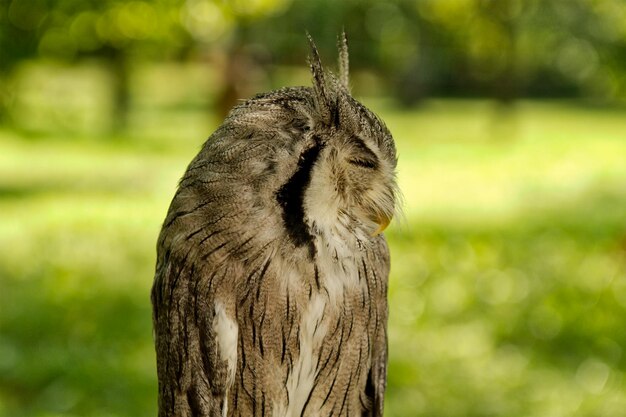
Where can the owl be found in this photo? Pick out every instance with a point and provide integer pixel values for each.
(269, 296)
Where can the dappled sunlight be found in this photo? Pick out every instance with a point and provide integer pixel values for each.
(531, 306)
(507, 290)
(465, 177)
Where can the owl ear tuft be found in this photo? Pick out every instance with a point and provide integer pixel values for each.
(344, 62)
(322, 92)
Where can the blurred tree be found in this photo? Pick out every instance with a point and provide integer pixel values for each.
(122, 32)
(222, 31)
(112, 30)
(502, 49)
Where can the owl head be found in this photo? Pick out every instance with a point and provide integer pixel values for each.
(353, 178)
(306, 161)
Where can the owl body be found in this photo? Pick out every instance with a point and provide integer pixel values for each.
(270, 288)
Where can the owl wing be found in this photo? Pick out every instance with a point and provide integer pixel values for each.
(203, 260)
(193, 375)
(377, 378)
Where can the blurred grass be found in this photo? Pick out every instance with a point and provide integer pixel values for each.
(508, 286)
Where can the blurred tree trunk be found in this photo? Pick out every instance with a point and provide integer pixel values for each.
(233, 69)
(243, 73)
(504, 13)
(118, 64)
(505, 86)
(4, 99)
(122, 93)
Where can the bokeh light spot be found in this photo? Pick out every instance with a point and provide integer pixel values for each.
(593, 375)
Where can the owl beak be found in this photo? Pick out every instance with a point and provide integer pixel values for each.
(382, 220)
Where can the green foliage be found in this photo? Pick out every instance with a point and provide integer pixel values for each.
(496, 48)
(508, 284)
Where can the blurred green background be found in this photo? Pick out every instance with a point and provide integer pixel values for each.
(508, 284)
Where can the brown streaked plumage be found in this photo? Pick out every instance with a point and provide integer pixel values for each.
(269, 297)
